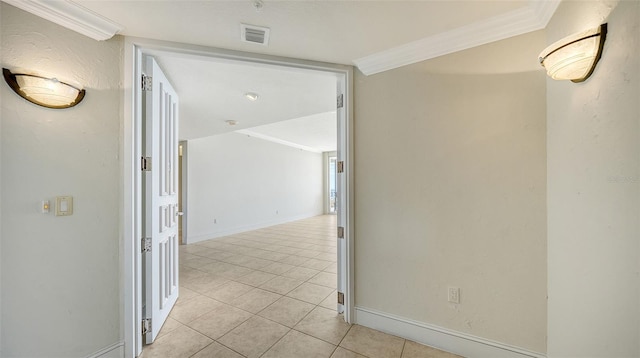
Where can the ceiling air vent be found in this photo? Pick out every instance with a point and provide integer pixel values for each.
(254, 34)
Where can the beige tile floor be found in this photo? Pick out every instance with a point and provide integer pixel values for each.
(269, 293)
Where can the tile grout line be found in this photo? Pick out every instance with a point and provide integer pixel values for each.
(231, 349)
(203, 348)
(318, 306)
(404, 344)
(259, 269)
(342, 340)
(276, 342)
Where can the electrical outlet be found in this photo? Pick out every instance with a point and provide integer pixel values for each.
(454, 294)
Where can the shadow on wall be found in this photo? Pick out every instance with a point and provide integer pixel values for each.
(491, 58)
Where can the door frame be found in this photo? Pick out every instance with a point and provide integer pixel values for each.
(184, 180)
(131, 229)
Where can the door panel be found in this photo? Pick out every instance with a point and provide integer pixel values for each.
(161, 199)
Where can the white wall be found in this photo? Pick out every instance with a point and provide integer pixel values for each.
(450, 190)
(594, 190)
(60, 275)
(245, 183)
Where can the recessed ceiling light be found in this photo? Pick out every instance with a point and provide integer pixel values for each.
(251, 96)
(231, 122)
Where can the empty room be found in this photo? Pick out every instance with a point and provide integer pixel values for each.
(165, 190)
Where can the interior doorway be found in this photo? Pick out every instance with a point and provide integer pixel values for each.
(135, 49)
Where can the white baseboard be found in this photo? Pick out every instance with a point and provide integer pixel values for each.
(115, 350)
(191, 239)
(445, 339)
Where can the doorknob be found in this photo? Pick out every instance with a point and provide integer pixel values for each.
(179, 213)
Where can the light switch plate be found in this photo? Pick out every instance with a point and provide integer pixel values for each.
(454, 295)
(64, 205)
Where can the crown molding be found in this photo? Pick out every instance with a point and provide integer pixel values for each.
(534, 16)
(544, 10)
(70, 15)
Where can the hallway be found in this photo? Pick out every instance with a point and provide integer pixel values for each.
(269, 293)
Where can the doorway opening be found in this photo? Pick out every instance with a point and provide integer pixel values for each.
(135, 49)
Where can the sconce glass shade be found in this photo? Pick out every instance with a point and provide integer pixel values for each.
(45, 92)
(251, 96)
(574, 58)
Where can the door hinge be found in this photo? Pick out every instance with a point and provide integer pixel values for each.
(146, 244)
(340, 232)
(340, 101)
(147, 83)
(146, 325)
(341, 298)
(145, 164)
(341, 167)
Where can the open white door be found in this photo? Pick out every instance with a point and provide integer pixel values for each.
(160, 208)
(341, 200)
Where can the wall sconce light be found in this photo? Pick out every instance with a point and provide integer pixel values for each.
(45, 92)
(574, 57)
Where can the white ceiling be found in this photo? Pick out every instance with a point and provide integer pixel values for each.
(373, 35)
(316, 133)
(212, 92)
(330, 31)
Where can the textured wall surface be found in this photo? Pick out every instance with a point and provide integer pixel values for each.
(451, 191)
(60, 275)
(594, 190)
